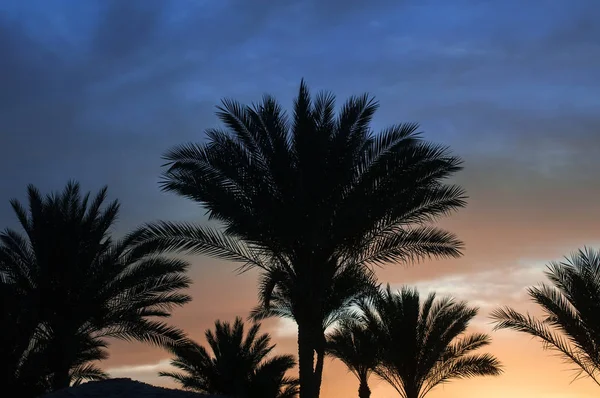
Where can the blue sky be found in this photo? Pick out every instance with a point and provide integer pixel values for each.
(98, 90)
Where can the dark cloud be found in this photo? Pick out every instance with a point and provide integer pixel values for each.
(127, 28)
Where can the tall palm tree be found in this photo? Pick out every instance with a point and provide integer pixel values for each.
(72, 286)
(301, 197)
(356, 346)
(239, 366)
(423, 345)
(571, 306)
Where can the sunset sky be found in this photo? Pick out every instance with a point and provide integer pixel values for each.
(97, 90)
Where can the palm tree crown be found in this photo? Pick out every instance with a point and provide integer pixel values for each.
(424, 344)
(303, 196)
(356, 346)
(571, 305)
(239, 366)
(73, 287)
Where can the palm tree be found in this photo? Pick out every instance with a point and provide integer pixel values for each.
(72, 286)
(356, 346)
(571, 305)
(239, 366)
(423, 345)
(302, 197)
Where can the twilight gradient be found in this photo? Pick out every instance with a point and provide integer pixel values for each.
(98, 90)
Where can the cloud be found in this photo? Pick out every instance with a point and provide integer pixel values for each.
(127, 28)
(148, 372)
(140, 370)
(285, 328)
(486, 289)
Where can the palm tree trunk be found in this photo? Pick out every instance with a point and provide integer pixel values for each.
(306, 361)
(60, 362)
(363, 389)
(318, 375)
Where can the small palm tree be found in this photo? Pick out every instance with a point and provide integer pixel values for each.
(72, 287)
(308, 194)
(239, 366)
(571, 305)
(423, 345)
(356, 346)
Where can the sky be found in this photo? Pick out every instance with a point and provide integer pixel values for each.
(98, 90)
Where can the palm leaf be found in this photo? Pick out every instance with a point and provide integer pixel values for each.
(570, 326)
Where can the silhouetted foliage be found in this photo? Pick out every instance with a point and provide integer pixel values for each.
(571, 305)
(239, 366)
(21, 366)
(67, 286)
(349, 286)
(357, 347)
(423, 345)
(302, 197)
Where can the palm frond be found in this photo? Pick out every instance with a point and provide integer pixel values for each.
(410, 245)
(87, 372)
(570, 324)
(461, 368)
(183, 237)
(507, 318)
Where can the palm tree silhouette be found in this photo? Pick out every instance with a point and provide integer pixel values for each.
(72, 286)
(356, 346)
(239, 366)
(571, 322)
(423, 345)
(301, 197)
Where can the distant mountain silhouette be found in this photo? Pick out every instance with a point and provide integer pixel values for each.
(122, 388)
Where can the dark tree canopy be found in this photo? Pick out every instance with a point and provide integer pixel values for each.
(357, 347)
(67, 286)
(239, 366)
(424, 343)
